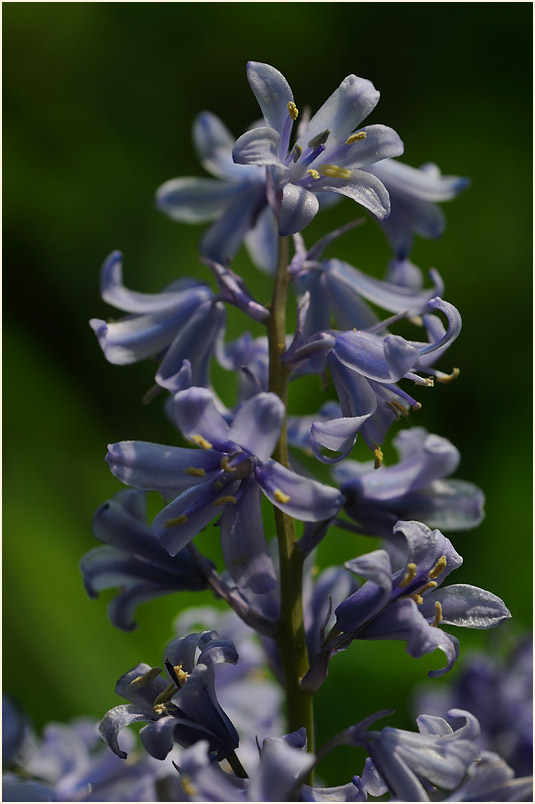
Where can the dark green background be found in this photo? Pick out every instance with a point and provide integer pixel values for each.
(99, 100)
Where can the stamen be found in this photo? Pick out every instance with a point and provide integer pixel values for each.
(429, 381)
(378, 452)
(314, 174)
(223, 500)
(397, 408)
(438, 614)
(178, 520)
(297, 151)
(429, 585)
(359, 135)
(410, 575)
(439, 567)
(202, 442)
(143, 680)
(218, 485)
(159, 709)
(165, 695)
(445, 378)
(194, 471)
(319, 139)
(180, 674)
(418, 599)
(335, 172)
(293, 110)
(225, 465)
(280, 496)
(188, 785)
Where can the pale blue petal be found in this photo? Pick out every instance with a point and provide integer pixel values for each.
(377, 358)
(196, 343)
(116, 719)
(223, 239)
(467, 606)
(213, 143)
(195, 413)
(364, 188)
(155, 467)
(389, 296)
(299, 206)
(308, 500)
(262, 241)
(194, 200)
(198, 506)
(259, 146)
(244, 544)
(380, 143)
(281, 768)
(425, 183)
(175, 298)
(343, 111)
(272, 91)
(257, 425)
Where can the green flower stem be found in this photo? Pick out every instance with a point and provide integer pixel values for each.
(291, 639)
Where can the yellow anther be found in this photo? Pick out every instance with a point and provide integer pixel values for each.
(335, 172)
(359, 135)
(417, 320)
(188, 785)
(218, 485)
(439, 567)
(293, 110)
(142, 681)
(409, 576)
(165, 695)
(438, 614)
(159, 708)
(378, 452)
(429, 585)
(417, 598)
(429, 381)
(223, 500)
(194, 471)
(225, 465)
(313, 173)
(397, 408)
(202, 442)
(280, 496)
(417, 406)
(445, 378)
(297, 151)
(178, 520)
(181, 675)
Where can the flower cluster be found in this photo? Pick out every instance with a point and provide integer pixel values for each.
(212, 713)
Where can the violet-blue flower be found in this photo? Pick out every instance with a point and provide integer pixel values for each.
(183, 711)
(414, 193)
(407, 604)
(338, 289)
(499, 690)
(407, 762)
(328, 155)
(133, 560)
(236, 199)
(414, 488)
(165, 325)
(71, 763)
(365, 367)
(224, 477)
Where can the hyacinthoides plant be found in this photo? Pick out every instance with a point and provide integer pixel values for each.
(212, 731)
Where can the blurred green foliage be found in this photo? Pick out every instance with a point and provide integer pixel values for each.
(99, 99)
